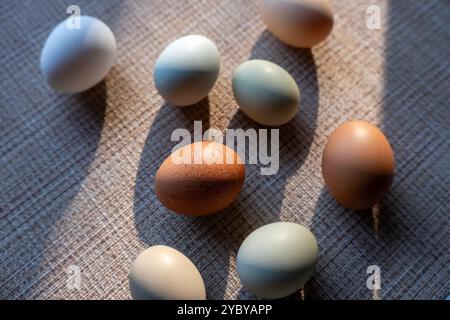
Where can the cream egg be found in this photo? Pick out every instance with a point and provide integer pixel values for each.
(163, 273)
(76, 59)
(299, 23)
(187, 70)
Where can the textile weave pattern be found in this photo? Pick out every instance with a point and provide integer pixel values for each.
(76, 171)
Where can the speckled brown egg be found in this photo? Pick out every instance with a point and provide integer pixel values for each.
(299, 23)
(200, 179)
(358, 165)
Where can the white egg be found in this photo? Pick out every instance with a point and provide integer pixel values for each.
(187, 70)
(76, 59)
(163, 273)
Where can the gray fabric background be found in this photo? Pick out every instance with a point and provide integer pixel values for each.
(76, 172)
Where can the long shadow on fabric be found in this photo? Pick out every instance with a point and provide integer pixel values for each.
(63, 161)
(265, 194)
(51, 142)
(412, 220)
(207, 241)
(59, 140)
(416, 118)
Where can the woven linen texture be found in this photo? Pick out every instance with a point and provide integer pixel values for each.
(76, 172)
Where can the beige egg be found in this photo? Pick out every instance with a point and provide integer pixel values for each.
(200, 179)
(163, 273)
(299, 23)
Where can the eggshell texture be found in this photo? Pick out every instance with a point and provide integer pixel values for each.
(74, 60)
(163, 273)
(299, 23)
(187, 69)
(265, 92)
(277, 259)
(358, 165)
(198, 189)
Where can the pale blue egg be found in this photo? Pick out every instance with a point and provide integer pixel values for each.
(277, 259)
(75, 59)
(187, 70)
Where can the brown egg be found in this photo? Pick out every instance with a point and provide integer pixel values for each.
(299, 23)
(358, 165)
(200, 179)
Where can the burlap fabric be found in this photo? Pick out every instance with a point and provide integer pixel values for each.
(76, 174)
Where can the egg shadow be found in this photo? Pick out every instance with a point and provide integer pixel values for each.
(350, 241)
(207, 241)
(412, 220)
(266, 193)
(61, 153)
(415, 118)
(58, 137)
(417, 126)
(347, 244)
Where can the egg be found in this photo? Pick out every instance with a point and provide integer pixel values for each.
(358, 165)
(187, 70)
(163, 273)
(299, 23)
(277, 259)
(200, 179)
(75, 60)
(266, 92)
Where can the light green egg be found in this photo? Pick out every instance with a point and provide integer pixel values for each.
(277, 259)
(266, 92)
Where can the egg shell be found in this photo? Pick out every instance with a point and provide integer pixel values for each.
(198, 189)
(75, 60)
(187, 69)
(299, 23)
(277, 259)
(266, 92)
(358, 165)
(163, 273)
